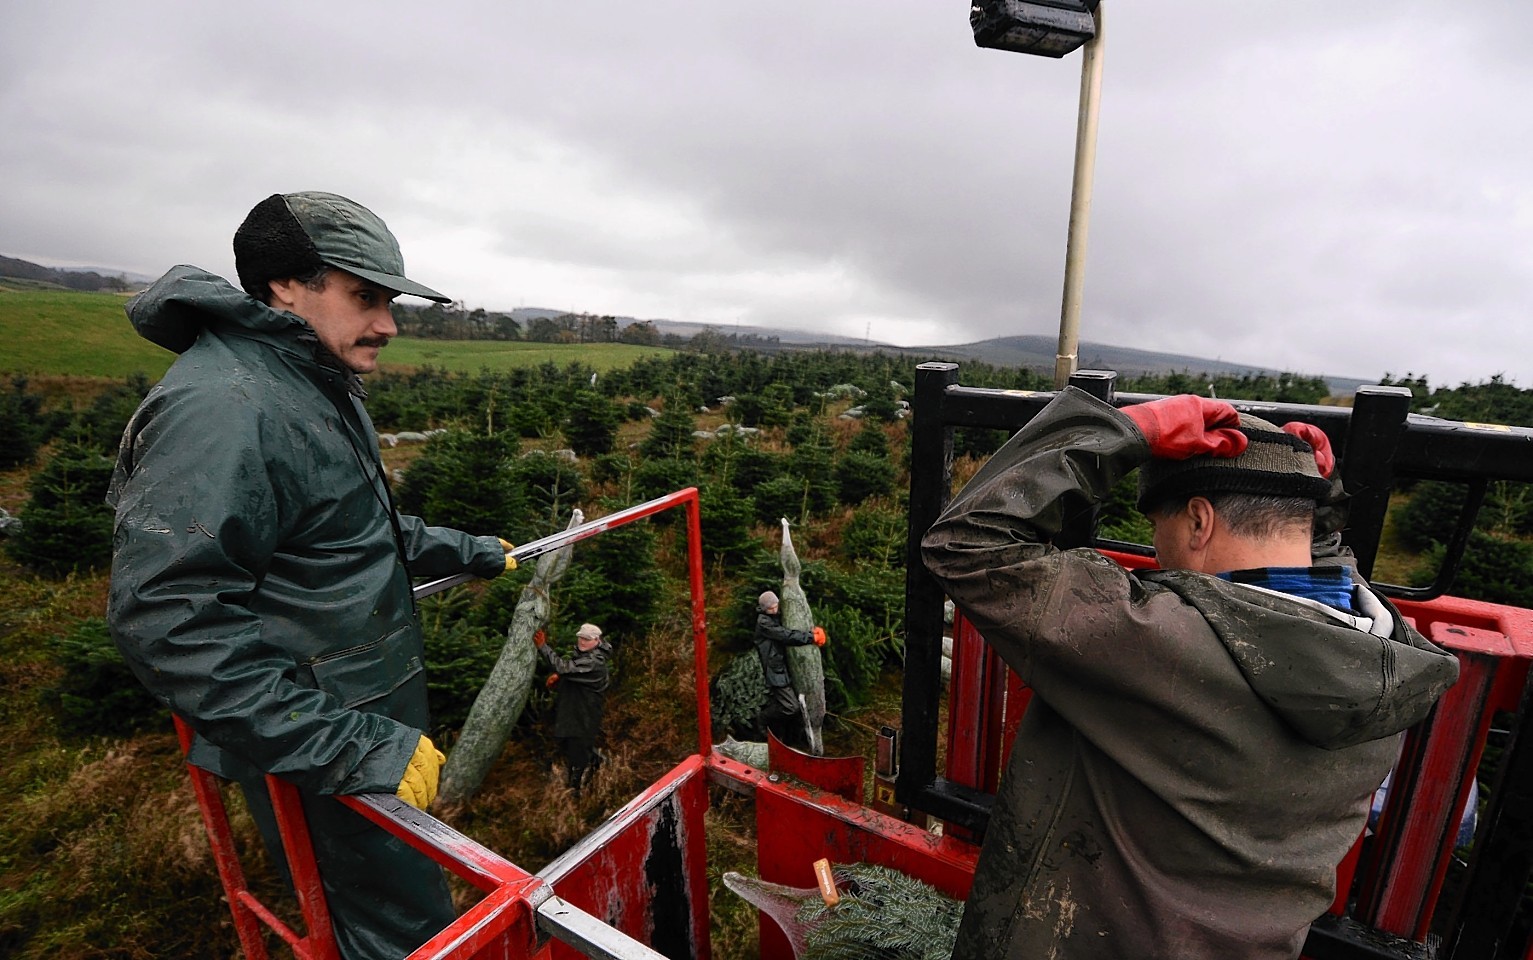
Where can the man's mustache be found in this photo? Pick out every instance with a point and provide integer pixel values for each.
(379, 342)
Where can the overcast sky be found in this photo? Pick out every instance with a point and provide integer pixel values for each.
(1326, 188)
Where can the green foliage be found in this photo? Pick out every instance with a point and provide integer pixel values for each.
(721, 456)
(613, 581)
(459, 658)
(977, 442)
(880, 405)
(863, 475)
(876, 534)
(97, 695)
(670, 434)
(726, 520)
(22, 426)
(754, 467)
(777, 404)
(550, 487)
(1120, 518)
(882, 913)
(811, 464)
(591, 424)
(1430, 515)
(1496, 569)
(871, 439)
(739, 693)
(462, 480)
(66, 525)
(1282, 387)
(1492, 401)
(612, 467)
(656, 478)
(877, 593)
(494, 605)
(853, 655)
(781, 496)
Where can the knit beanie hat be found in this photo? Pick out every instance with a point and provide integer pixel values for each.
(767, 600)
(1274, 464)
(294, 234)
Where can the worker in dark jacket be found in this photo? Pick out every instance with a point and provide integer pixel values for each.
(581, 682)
(782, 714)
(261, 577)
(1204, 739)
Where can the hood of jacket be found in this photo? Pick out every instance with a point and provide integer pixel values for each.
(1337, 679)
(176, 308)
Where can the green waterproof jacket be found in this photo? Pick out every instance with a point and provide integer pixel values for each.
(582, 692)
(261, 580)
(1198, 755)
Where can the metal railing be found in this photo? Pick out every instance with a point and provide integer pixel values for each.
(520, 910)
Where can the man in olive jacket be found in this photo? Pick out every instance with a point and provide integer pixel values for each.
(261, 577)
(581, 682)
(1204, 739)
(782, 713)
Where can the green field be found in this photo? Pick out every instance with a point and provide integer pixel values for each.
(63, 333)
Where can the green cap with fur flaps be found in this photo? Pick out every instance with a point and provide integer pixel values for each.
(294, 234)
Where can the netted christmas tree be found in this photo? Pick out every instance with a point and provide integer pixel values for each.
(878, 913)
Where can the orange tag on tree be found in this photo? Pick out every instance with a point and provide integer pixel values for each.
(828, 891)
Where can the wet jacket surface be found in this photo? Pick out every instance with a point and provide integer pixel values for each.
(581, 691)
(259, 586)
(772, 639)
(1198, 755)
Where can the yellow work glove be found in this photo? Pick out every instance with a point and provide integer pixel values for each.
(508, 546)
(418, 788)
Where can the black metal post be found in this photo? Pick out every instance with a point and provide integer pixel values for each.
(931, 444)
(1367, 472)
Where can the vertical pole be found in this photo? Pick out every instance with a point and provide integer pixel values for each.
(1080, 203)
(1373, 436)
(931, 462)
(699, 620)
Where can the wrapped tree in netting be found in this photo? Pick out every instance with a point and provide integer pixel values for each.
(805, 667)
(877, 914)
(504, 695)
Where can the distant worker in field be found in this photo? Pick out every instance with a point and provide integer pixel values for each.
(1205, 738)
(782, 714)
(261, 574)
(580, 685)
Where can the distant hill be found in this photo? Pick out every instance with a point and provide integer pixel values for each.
(71, 278)
(1034, 352)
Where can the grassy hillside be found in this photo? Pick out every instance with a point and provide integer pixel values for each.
(64, 333)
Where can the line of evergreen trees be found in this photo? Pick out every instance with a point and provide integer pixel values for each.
(521, 449)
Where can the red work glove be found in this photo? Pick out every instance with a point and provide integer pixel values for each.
(1325, 459)
(819, 636)
(553, 678)
(539, 639)
(1188, 426)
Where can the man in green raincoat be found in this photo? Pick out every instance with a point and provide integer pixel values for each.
(581, 682)
(261, 576)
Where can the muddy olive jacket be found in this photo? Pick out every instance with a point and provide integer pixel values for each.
(260, 577)
(582, 690)
(1198, 755)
